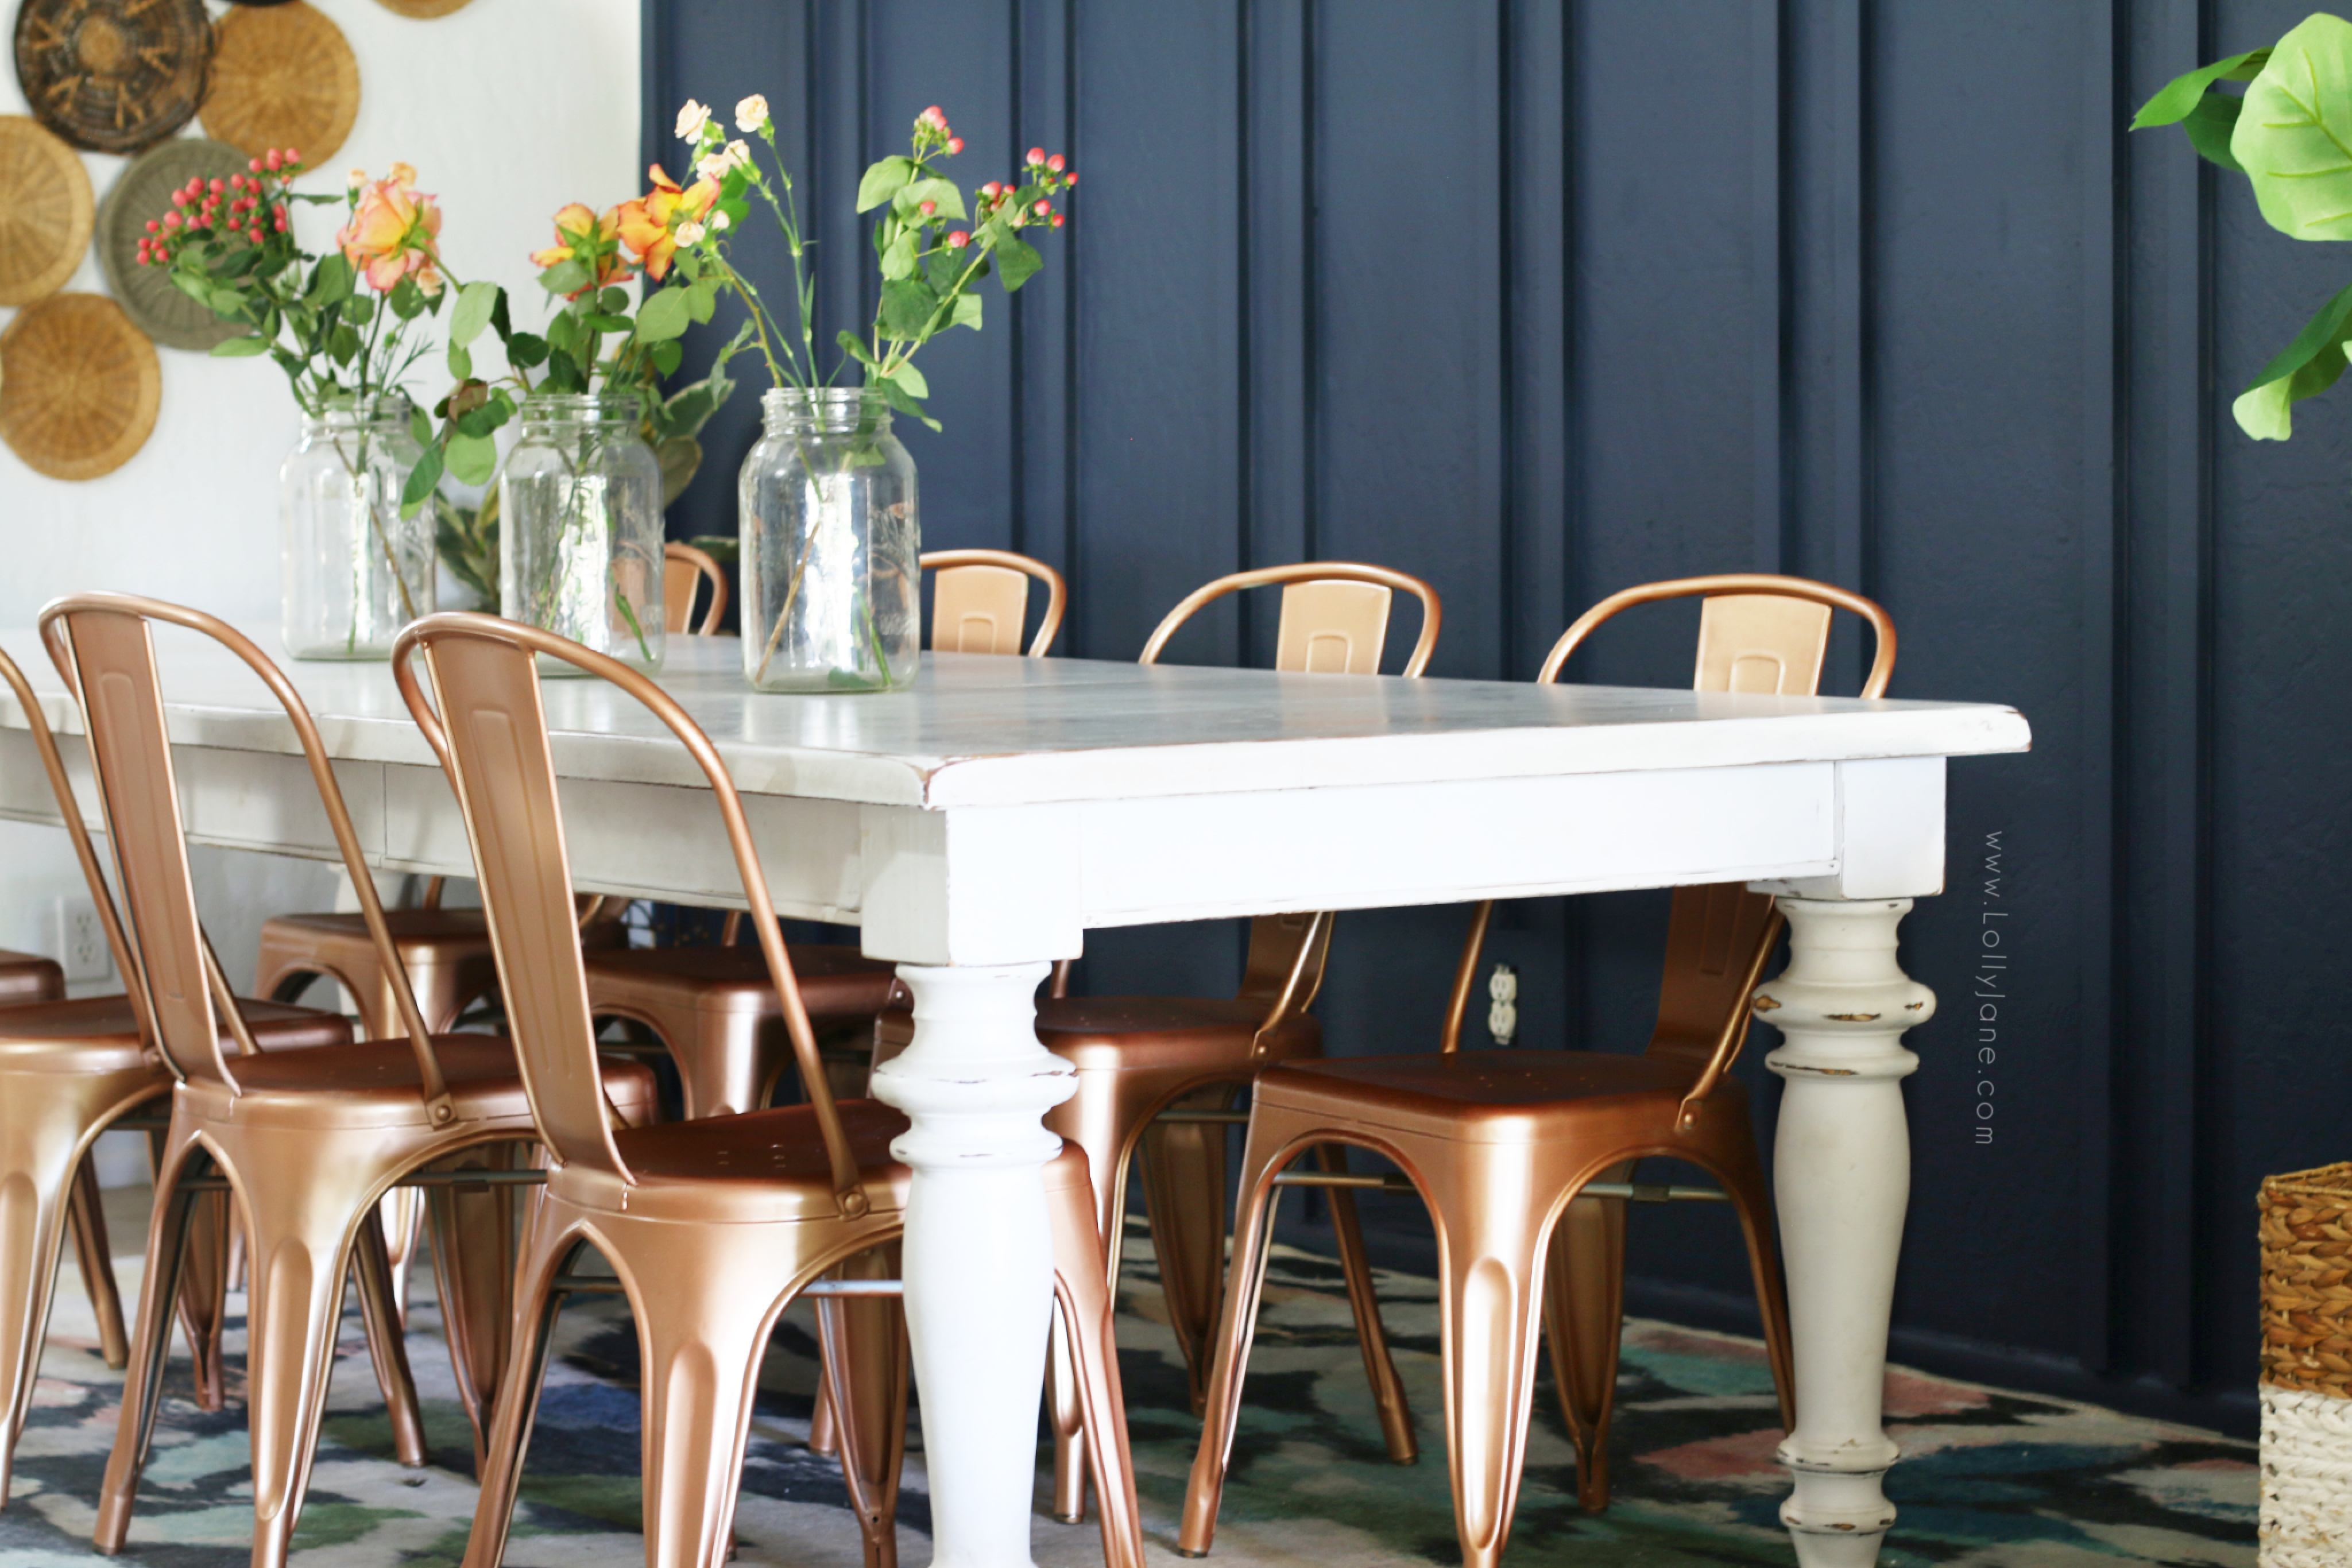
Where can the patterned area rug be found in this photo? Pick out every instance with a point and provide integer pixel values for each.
(1988, 1478)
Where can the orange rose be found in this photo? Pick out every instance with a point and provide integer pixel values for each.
(581, 233)
(391, 234)
(649, 224)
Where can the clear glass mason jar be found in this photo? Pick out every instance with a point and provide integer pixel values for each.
(580, 528)
(355, 572)
(831, 585)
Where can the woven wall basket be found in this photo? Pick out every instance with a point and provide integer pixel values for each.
(113, 76)
(45, 210)
(283, 75)
(143, 192)
(78, 386)
(424, 9)
(2306, 1391)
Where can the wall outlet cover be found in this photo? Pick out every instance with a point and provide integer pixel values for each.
(81, 940)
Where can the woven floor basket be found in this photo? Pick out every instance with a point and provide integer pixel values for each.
(2306, 1392)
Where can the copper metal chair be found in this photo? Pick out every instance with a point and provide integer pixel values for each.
(1150, 1069)
(712, 1227)
(68, 1071)
(713, 1010)
(685, 569)
(307, 1143)
(1520, 1153)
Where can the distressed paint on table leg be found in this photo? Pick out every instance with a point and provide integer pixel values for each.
(979, 1265)
(1842, 1173)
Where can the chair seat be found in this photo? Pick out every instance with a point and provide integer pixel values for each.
(100, 1034)
(29, 977)
(758, 1167)
(1495, 1096)
(375, 1082)
(449, 930)
(836, 982)
(1130, 1033)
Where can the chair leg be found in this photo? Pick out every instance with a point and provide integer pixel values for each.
(474, 1264)
(825, 1430)
(403, 1211)
(204, 1282)
(866, 1357)
(1371, 1337)
(547, 1249)
(86, 1215)
(1244, 1281)
(1489, 1301)
(1090, 1386)
(372, 1271)
(1743, 1177)
(1584, 1317)
(33, 1198)
(1066, 1410)
(1183, 1168)
(168, 1237)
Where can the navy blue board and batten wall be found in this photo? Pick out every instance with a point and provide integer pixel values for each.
(1540, 300)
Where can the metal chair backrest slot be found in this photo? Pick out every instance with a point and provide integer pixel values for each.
(980, 599)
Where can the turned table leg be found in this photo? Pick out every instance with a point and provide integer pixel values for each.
(979, 1265)
(1842, 1174)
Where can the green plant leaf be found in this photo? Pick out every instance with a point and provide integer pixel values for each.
(1017, 262)
(614, 301)
(679, 457)
(2305, 368)
(420, 427)
(899, 398)
(965, 312)
(2209, 126)
(906, 308)
(2294, 136)
(500, 322)
(2180, 97)
(565, 276)
(526, 350)
(422, 479)
(472, 458)
(899, 257)
(668, 357)
(331, 280)
(884, 180)
(942, 194)
(664, 316)
(908, 377)
(475, 302)
(855, 347)
(461, 363)
(702, 299)
(239, 347)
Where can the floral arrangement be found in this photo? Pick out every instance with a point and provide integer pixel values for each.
(2287, 135)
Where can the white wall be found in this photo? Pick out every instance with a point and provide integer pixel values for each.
(509, 109)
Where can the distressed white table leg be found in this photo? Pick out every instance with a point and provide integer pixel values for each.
(1842, 1176)
(978, 1259)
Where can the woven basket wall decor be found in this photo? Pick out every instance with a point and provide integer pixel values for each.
(78, 386)
(113, 76)
(45, 210)
(2306, 1387)
(283, 75)
(143, 192)
(425, 8)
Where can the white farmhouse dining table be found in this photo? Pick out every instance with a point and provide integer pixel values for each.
(976, 826)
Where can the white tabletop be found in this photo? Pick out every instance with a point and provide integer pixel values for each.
(976, 731)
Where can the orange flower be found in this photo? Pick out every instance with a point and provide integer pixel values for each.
(649, 224)
(392, 232)
(581, 233)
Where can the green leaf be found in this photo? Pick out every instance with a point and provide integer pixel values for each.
(599, 321)
(2209, 126)
(420, 427)
(2181, 96)
(500, 322)
(407, 300)
(884, 180)
(568, 277)
(1017, 262)
(906, 308)
(680, 456)
(344, 344)
(908, 377)
(965, 312)
(2305, 368)
(472, 458)
(702, 299)
(899, 257)
(461, 363)
(422, 480)
(331, 280)
(475, 302)
(526, 350)
(614, 301)
(2293, 136)
(239, 347)
(663, 317)
(899, 398)
(948, 200)
(668, 357)
(855, 347)
(359, 311)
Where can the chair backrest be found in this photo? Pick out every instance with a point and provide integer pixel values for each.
(980, 599)
(1757, 634)
(69, 807)
(1335, 616)
(684, 572)
(103, 645)
(485, 721)
(1335, 621)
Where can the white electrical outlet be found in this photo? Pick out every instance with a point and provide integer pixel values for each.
(1503, 996)
(81, 940)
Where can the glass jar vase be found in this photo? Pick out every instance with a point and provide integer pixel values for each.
(353, 570)
(831, 584)
(580, 528)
